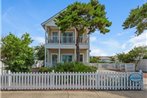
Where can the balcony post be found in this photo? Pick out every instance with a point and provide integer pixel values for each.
(59, 36)
(46, 35)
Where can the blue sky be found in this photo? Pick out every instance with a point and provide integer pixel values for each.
(20, 16)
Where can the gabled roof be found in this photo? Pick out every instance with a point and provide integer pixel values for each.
(50, 21)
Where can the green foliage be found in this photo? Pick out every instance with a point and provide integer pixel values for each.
(125, 58)
(145, 57)
(16, 52)
(73, 67)
(39, 52)
(133, 56)
(94, 59)
(138, 19)
(112, 59)
(45, 69)
(83, 16)
(69, 67)
(79, 15)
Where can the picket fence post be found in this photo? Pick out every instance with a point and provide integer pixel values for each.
(9, 79)
(96, 81)
(52, 79)
(140, 71)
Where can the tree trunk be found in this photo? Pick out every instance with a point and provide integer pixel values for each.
(137, 62)
(77, 48)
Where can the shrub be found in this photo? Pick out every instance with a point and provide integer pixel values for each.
(73, 67)
(145, 57)
(45, 69)
(94, 59)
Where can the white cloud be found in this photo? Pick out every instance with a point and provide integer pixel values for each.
(139, 40)
(136, 41)
(111, 43)
(112, 46)
(93, 39)
(120, 34)
(39, 39)
(97, 52)
(103, 47)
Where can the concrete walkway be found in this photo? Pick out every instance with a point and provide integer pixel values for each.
(73, 94)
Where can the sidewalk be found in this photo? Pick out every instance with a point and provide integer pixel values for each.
(74, 94)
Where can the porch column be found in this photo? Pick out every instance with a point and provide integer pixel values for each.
(45, 56)
(48, 58)
(59, 55)
(87, 56)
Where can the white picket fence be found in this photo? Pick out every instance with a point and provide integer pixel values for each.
(70, 80)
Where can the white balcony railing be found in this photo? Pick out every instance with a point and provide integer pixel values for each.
(67, 39)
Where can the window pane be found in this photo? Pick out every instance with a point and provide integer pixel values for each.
(67, 58)
(55, 37)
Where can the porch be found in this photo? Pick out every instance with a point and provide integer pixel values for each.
(54, 56)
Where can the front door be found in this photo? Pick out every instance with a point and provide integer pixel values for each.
(54, 59)
(81, 58)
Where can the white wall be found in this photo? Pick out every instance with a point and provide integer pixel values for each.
(1, 67)
(142, 65)
(128, 67)
(38, 63)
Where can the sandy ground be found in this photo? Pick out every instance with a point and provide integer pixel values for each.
(74, 94)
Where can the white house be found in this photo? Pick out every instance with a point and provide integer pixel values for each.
(60, 46)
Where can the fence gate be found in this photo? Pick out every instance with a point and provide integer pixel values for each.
(73, 80)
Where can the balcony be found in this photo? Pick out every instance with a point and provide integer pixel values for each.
(66, 40)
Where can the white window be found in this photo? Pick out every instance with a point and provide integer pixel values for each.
(67, 37)
(67, 58)
(55, 37)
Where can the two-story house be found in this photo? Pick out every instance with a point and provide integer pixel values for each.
(60, 46)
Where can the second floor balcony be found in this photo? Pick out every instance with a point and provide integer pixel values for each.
(67, 40)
